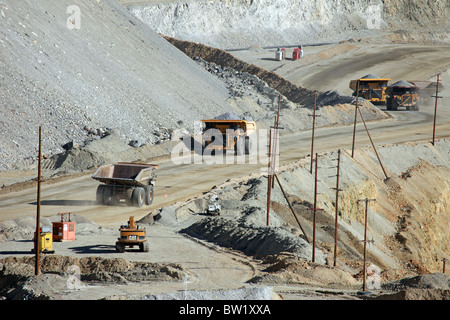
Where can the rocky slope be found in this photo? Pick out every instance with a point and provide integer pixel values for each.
(245, 23)
(408, 222)
(113, 72)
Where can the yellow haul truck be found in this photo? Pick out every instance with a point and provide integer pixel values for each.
(228, 135)
(402, 94)
(371, 87)
(131, 182)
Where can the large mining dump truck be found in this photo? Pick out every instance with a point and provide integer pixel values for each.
(227, 134)
(371, 87)
(125, 182)
(402, 94)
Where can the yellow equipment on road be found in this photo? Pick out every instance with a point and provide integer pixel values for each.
(371, 87)
(131, 235)
(228, 135)
(46, 240)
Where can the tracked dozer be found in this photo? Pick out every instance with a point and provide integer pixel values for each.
(371, 87)
(402, 94)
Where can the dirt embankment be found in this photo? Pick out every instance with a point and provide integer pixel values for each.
(223, 58)
(59, 274)
(407, 224)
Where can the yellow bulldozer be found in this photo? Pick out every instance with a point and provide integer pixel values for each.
(132, 235)
(371, 87)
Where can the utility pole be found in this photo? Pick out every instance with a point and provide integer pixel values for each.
(272, 157)
(269, 177)
(37, 248)
(435, 107)
(314, 210)
(336, 208)
(356, 115)
(366, 200)
(313, 127)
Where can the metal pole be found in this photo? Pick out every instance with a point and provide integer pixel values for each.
(365, 243)
(337, 209)
(315, 208)
(38, 212)
(435, 107)
(273, 150)
(269, 177)
(356, 115)
(365, 248)
(373, 145)
(313, 127)
(272, 153)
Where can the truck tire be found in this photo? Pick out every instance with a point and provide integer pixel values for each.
(388, 104)
(129, 197)
(144, 247)
(149, 195)
(100, 194)
(394, 105)
(239, 146)
(108, 196)
(247, 145)
(138, 197)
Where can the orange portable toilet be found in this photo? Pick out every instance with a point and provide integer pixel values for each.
(64, 230)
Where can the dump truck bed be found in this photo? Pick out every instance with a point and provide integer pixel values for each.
(132, 174)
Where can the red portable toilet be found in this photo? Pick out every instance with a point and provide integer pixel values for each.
(296, 54)
(64, 230)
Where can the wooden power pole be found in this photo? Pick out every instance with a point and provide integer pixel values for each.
(37, 248)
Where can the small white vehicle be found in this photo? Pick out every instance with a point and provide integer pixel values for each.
(213, 207)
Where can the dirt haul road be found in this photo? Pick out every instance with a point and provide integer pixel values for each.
(180, 182)
(331, 67)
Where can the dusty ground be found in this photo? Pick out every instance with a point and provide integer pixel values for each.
(184, 261)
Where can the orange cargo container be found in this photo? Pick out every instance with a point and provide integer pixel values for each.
(64, 230)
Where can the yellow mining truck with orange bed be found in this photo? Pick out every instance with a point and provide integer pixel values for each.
(371, 87)
(402, 94)
(223, 135)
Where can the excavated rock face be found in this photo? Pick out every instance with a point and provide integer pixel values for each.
(245, 23)
(112, 73)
